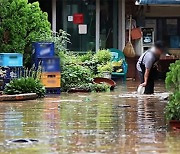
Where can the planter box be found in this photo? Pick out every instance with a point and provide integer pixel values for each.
(18, 97)
(175, 125)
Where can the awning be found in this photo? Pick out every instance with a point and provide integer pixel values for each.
(158, 2)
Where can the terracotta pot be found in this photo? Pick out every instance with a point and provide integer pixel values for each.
(105, 80)
(175, 125)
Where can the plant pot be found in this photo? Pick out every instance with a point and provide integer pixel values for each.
(105, 80)
(107, 75)
(175, 125)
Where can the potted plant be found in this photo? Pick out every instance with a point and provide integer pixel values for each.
(106, 70)
(173, 107)
(173, 111)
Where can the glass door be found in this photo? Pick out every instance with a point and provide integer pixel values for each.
(82, 34)
(108, 23)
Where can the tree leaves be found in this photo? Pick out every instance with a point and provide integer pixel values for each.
(24, 23)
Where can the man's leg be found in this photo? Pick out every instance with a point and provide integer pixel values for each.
(141, 76)
(149, 89)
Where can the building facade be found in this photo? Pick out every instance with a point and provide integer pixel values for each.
(97, 24)
(102, 23)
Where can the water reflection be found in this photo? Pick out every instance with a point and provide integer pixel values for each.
(91, 123)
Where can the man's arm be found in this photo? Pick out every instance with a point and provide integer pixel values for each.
(146, 76)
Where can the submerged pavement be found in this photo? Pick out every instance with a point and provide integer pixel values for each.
(116, 122)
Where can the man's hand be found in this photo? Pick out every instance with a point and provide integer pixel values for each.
(143, 84)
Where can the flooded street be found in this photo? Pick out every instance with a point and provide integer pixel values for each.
(88, 123)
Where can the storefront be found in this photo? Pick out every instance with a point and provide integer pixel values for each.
(95, 24)
(92, 24)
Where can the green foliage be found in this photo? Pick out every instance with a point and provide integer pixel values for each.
(105, 68)
(93, 87)
(103, 56)
(117, 63)
(173, 107)
(117, 66)
(92, 65)
(173, 84)
(21, 23)
(173, 77)
(86, 57)
(60, 39)
(100, 87)
(78, 70)
(25, 85)
(75, 75)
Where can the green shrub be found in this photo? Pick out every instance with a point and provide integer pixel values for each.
(25, 85)
(173, 77)
(21, 23)
(60, 40)
(105, 68)
(92, 65)
(74, 75)
(86, 57)
(100, 87)
(173, 83)
(173, 107)
(103, 56)
(78, 70)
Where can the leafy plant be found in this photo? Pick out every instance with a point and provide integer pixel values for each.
(103, 56)
(25, 85)
(117, 66)
(173, 77)
(73, 75)
(78, 70)
(173, 83)
(117, 63)
(105, 68)
(91, 87)
(100, 87)
(21, 23)
(60, 39)
(173, 107)
(92, 65)
(86, 57)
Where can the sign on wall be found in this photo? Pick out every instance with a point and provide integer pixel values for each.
(82, 29)
(78, 18)
(70, 18)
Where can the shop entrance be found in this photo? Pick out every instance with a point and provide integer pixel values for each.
(108, 24)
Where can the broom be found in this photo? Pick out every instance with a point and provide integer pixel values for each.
(129, 50)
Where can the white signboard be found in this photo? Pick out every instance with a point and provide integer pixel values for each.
(70, 18)
(82, 29)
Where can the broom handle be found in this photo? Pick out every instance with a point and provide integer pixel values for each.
(130, 26)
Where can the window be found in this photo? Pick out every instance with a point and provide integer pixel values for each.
(168, 30)
(80, 39)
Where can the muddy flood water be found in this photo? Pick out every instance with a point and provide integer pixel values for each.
(81, 123)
